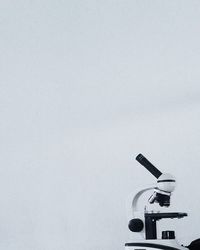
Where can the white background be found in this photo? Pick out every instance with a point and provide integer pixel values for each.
(84, 87)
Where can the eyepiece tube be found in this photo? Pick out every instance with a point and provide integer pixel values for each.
(148, 165)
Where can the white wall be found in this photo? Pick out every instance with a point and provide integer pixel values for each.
(85, 86)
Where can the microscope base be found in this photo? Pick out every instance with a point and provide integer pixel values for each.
(154, 244)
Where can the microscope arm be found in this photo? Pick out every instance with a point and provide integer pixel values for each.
(137, 196)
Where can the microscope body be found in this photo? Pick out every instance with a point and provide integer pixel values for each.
(143, 225)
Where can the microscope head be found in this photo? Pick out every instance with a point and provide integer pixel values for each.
(165, 186)
(165, 183)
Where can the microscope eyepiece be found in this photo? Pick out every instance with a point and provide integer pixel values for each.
(148, 165)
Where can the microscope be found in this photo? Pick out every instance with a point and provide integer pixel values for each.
(144, 224)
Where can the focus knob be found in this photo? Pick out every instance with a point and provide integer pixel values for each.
(168, 235)
(136, 225)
